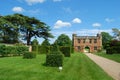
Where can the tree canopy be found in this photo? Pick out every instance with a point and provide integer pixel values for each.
(116, 33)
(63, 40)
(18, 26)
(106, 37)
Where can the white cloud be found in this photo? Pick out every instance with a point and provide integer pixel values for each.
(18, 9)
(82, 32)
(60, 24)
(96, 24)
(57, 0)
(109, 20)
(31, 2)
(77, 20)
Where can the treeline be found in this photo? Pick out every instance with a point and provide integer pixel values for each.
(111, 43)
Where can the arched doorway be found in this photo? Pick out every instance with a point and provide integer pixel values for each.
(87, 49)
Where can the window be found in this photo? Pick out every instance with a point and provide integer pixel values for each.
(95, 40)
(90, 41)
(95, 47)
(79, 40)
(83, 40)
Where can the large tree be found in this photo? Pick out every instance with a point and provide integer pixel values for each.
(63, 40)
(116, 33)
(106, 37)
(28, 27)
(8, 32)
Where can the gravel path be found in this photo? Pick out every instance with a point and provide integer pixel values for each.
(110, 67)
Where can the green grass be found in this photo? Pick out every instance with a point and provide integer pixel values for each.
(78, 67)
(115, 57)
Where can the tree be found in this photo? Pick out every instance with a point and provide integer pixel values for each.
(35, 42)
(27, 27)
(45, 46)
(63, 40)
(106, 37)
(116, 33)
(45, 43)
(8, 33)
(34, 28)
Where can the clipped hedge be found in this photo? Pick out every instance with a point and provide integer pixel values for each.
(2, 50)
(54, 60)
(12, 50)
(65, 50)
(29, 55)
(21, 49)
(55, 57)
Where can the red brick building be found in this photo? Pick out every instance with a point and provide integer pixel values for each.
(92, 43)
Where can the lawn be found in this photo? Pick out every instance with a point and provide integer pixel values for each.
(78, 67)
(115, 57)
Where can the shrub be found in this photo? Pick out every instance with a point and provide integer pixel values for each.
(113, 47)
(2, 50)
(65, 50)
(21, 50)
(11, 50)
(29, 55)
(54, 60)
(55, 57)
(72, 49)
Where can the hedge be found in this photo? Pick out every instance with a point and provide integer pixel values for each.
(29, 55)
(55, 57)
(2, 50)
(65, 50)
(54, 60)
(12, 50)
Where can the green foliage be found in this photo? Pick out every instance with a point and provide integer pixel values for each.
(54, 49)
(12, 50)
(29, 55)
(116, 33)
(8, 31)
(65, 50)
(63, 40)
(106, 37)
(55, 57)
(113, 47)
(54, 60)
(35, 48)
(72, 49)
(2, 50)
(34, 42)
(45, 47)
(21, 49)
(14, 26)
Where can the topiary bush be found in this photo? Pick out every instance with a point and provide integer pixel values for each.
(54, 60)
(55, 57)
(65, 50)
(29, 55)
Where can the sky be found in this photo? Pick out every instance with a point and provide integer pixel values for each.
(82, 17)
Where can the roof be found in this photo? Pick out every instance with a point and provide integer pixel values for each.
(84, 37)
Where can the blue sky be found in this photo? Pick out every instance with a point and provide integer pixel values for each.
(83, 17)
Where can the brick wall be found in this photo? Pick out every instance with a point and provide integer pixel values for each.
(94, 43)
